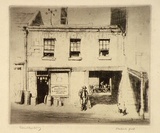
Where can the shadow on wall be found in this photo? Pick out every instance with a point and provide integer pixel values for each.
(135, 84)
(102, 98)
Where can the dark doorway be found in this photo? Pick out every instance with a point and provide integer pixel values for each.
(42, 88)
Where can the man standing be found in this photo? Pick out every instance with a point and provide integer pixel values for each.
(83, 94)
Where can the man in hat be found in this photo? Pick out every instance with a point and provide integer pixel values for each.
(83, 94)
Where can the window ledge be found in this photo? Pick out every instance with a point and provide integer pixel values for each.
(75, 58)
(104, 58)
(49, 58)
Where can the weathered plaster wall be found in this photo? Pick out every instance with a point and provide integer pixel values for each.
(89, 49)
(32, 84)
(138, 37)
(77, 81)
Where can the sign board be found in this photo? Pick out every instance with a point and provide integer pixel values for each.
(59, 84)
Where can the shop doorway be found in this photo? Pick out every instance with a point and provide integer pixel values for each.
(42, 88)
(104, 86)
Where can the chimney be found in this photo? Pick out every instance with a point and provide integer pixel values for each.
(118, 17)
(64, 19)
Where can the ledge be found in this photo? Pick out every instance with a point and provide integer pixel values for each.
(49, 58)
(75, 58)
(104, 58)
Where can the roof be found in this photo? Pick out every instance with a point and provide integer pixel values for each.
(27, 18)
(40, 21)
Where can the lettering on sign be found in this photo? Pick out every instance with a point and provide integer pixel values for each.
(59, 90)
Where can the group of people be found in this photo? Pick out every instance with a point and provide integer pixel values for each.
(104, 86)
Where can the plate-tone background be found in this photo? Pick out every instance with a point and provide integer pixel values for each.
(154, 127)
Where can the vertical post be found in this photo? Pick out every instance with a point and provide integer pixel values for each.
(49, 84)
(110, 85)
(86, 75)
(24, 77)
(142, 97)
(25, 65)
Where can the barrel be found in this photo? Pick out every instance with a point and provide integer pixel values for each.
(19, 97)
(27, 97)
(49, 100)
(56, 101)
(33, 101)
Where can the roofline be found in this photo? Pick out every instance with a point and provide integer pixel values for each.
(74, 28)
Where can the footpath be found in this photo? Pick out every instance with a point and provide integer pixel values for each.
(97, 111)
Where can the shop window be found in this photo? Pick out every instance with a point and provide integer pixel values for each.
(49, 47)
(75, 48)
(104, 47)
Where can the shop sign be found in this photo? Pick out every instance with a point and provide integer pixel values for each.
(59, 90)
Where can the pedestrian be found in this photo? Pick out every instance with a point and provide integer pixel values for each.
(122, 108)
(83, 94)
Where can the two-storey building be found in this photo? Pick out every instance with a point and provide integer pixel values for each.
(60, 60)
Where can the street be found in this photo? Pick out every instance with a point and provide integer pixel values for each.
(22, 114)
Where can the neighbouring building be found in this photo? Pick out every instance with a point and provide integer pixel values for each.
(60, 57)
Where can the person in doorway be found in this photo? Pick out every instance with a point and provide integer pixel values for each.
(102, 85)
(83, 94)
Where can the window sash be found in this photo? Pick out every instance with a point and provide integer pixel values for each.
(49, 46)
(104, 44)
(104, 47)
(75, 45)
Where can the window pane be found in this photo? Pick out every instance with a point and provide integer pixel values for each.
(100, 46)
(45, 42)
(49, 42)
(52, 42)
(107, 46)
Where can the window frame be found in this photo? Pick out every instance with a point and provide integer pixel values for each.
(104, 49)
(49, 47)
(75, 49)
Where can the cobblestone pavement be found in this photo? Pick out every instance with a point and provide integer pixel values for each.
(98, 114)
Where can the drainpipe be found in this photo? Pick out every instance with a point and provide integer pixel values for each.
(25, 49)
(26, 93)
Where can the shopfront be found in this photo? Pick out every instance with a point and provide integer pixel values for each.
(104, 86)
(54, 83)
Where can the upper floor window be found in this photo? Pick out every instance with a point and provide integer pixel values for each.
(49, 47)
(104, 47)
(75, 47)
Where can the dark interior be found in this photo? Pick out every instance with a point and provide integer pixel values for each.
(42, 88)
(100, 98)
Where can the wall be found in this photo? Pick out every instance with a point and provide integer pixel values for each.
(17, 83)
(76, 83)
(32, 83)
(138, 37)
(89, 49)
